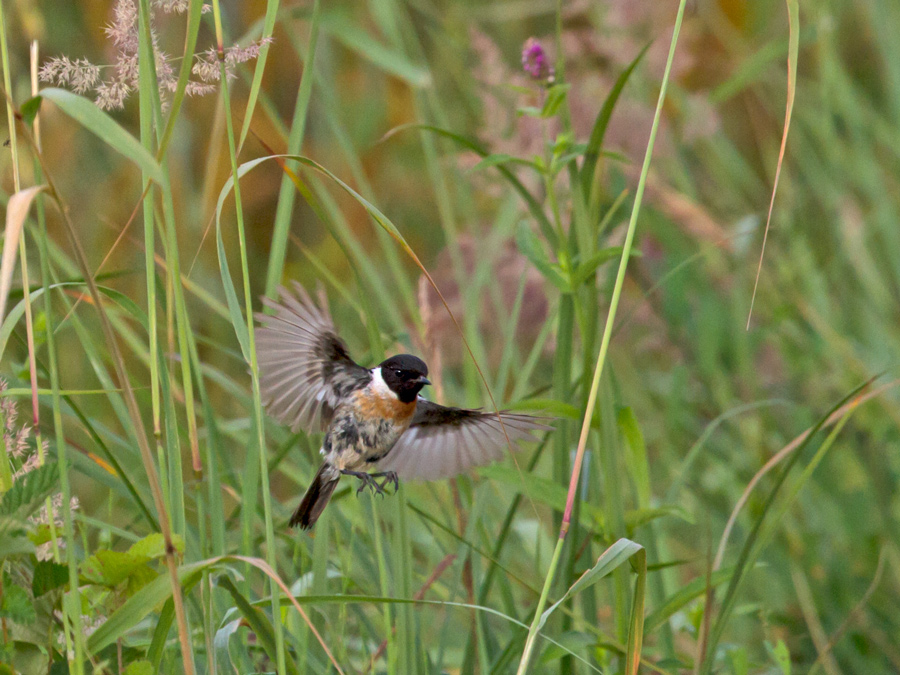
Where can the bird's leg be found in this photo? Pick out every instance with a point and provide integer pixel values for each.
(366, 480)
(389, 477)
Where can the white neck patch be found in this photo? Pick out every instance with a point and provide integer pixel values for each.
(379, 386)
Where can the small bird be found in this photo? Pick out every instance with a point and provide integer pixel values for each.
(374, 419)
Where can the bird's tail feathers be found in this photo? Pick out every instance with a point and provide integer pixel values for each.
(316, 498)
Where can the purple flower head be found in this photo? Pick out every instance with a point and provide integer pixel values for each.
(535, 62)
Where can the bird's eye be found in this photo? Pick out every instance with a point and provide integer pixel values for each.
(398, 373)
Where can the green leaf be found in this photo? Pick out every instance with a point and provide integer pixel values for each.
(110, 568)
(160, 632)
(257, 620)
(589, 266)
(139, 668)
(87, 114)
(556, 96)
(637, 456)
(48, 576)
(17, 605)
(30, 490)
(595, 142)
(780, 655)
(531, 248)
(611, 559)
(221, 642)
(29, 109)
(153, 546)
(13, 541)
(139, 605)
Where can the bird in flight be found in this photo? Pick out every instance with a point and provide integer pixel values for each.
(377, 425)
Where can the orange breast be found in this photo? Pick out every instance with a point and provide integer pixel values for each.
(372, 406)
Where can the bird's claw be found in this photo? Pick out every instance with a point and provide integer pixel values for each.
(367, 480)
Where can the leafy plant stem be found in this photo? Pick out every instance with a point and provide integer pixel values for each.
(601, 358)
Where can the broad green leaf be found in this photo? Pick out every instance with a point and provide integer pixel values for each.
(139, 605)
(153, 546)
(96, 121)
(15, 543)
(30, 490)
(110, 568)
(611, 559)
(139, 668)
(48, 576)
(16, 604)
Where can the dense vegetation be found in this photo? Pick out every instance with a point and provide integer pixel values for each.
(735, 510)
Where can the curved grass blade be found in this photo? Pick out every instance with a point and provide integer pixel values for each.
(257, 621)
(793, 51)
(88, 115)
(750, 550)
(16, 214)
(598, 132)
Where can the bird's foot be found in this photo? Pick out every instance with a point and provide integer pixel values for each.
(390, 477)
(367, 480)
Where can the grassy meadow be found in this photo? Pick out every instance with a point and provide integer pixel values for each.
(585, 187)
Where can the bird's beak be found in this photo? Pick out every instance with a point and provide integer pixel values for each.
(423, 380)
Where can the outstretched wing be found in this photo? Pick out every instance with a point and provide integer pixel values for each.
(305, 369)
(442, 442)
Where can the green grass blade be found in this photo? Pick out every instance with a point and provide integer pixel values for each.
(103, 126)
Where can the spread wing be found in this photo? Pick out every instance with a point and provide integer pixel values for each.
(305, 369)
(442, 442)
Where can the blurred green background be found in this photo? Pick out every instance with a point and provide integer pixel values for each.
(689, 392)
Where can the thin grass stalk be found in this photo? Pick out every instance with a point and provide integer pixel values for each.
(287, 192)
(604, 347)
(254, 366)
(73, 633)
(39, 209)
(146, 119)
